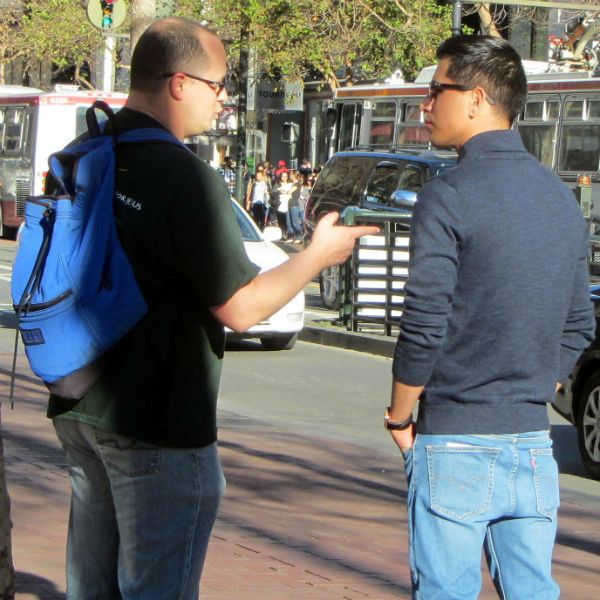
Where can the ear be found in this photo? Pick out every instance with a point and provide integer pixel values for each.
(176, 85)
(477, 101)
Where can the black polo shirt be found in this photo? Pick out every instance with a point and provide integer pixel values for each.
(179, 230)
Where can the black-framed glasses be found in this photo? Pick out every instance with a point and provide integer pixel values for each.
(436, 88)
(216, 86)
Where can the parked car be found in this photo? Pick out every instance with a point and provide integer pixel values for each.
(579, 399)
(371, 179)
(280, 331)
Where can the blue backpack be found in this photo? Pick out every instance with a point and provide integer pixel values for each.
(73, 288)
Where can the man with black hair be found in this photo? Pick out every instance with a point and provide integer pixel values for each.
(141, 444)
(496, 312)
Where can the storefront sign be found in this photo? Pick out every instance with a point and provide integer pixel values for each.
(272, 95)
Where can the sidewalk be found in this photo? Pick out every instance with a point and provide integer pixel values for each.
(303, 517)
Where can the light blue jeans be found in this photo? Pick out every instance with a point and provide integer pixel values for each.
(141, 515)
(468, 492)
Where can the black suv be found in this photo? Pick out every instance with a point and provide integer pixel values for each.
(579, 400)
(371, 179)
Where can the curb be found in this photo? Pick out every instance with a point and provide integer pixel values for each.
(349, 340)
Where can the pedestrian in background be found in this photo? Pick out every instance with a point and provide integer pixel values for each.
(294, 208)
(305, 189)
(496, 312)
(257, 203)
(281, 168)
(227, 172)
(141, 444)
(282, 193)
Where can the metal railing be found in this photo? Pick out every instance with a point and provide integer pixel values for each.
(372, 281)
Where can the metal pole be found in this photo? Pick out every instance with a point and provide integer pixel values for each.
(108, 72)
(240, 158)
(456, 17)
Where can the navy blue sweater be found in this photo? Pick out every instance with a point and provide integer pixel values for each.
(497, 304)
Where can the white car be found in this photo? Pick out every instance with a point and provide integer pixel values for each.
(280, 331)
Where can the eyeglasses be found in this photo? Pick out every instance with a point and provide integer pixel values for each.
(436, 88)
(216, 86)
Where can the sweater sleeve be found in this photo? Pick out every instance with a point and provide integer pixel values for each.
(437, 230)
(580, 325)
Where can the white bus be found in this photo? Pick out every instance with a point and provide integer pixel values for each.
(560, 124)
(33, 124)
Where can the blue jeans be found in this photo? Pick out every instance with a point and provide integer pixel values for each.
(468, 492)
(141, 515)
(295, 222)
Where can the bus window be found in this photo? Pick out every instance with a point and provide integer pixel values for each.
(537, 126)
(534, 110)
(539, 141)
(573, 109)
(381, 130)
(594, 109)
(349, 128)
(552, 110)
(412, 131)
(580, 148)
(14, 120)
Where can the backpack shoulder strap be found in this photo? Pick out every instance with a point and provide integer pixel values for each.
(91, 118)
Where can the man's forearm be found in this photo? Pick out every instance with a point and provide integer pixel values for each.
(404, 398)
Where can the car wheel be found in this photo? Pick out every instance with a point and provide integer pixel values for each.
(588, 425)
(279, 342)
(329, 285)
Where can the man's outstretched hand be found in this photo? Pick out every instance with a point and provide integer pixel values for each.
(335, 242)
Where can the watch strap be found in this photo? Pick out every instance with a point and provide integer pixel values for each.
(396, 425)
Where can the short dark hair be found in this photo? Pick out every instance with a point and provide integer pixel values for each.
(491, 63)
(168, 46)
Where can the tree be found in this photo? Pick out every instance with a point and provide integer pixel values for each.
(9, 47)
(363, 38)
(51, 30)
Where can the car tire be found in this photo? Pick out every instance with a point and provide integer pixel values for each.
(279, 342)
(329, 286)
(588, 425)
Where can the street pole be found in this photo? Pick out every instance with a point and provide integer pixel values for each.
(240, 158)
(108, 71)
(456, 17)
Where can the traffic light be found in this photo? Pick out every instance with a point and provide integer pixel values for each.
(107, 13)
(290, 132)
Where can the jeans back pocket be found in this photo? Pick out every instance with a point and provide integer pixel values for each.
(461, 479)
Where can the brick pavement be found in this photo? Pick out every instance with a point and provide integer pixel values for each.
(303, 517)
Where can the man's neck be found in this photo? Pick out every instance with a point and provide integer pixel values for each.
(153, 109)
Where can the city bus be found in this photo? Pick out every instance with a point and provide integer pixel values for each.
(33, 124)
(560, 124)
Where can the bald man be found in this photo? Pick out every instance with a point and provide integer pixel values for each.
(141, 444)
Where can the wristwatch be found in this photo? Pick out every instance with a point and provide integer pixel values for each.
(396, 425)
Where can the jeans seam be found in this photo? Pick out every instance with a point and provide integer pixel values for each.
(191, 530)
(494, 557)
(511, 480)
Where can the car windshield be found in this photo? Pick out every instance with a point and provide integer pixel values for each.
(249, 233)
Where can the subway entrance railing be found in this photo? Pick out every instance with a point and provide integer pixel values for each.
(372, 281)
